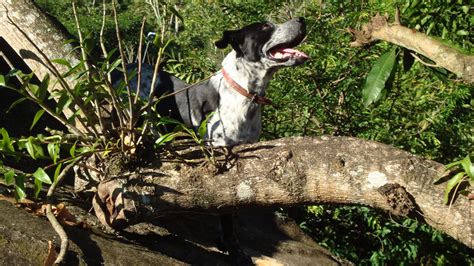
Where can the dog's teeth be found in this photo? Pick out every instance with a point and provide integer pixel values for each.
(287, 53)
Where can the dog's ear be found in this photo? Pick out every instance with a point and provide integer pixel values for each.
(226, 39)
(242, 47)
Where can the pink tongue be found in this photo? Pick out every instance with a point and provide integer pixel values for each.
(287, 52)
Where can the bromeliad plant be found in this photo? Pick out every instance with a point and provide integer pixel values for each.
(100, 118)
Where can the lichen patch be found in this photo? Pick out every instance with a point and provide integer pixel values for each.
(376, 179)
(244, 191)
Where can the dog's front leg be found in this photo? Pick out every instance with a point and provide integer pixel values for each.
(230, 242)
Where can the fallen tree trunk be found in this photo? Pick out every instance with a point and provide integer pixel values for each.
(287, 172)
(443, 55)
(24, 240)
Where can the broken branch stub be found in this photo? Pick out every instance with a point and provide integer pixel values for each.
(443, 55)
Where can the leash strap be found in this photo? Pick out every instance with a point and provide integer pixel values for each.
(252, 96)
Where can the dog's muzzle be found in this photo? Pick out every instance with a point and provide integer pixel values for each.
(287, 36)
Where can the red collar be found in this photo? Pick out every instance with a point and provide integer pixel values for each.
(252, 96)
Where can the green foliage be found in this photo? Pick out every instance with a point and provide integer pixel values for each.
(464, 175)
(378, 239)
(378, 75)
(181, 130)
(417, 108)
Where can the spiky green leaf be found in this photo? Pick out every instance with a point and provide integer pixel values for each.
(468, 167)
(453, 182)
(57, 172)
(62, 61)
(6, 143)
(37, 117)
(64, 101)
(165, 138)
(203, 127)
(15, 103)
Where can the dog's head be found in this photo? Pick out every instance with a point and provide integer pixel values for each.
(265, 41)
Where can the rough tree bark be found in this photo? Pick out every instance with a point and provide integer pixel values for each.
(288, 172)
(443, 55)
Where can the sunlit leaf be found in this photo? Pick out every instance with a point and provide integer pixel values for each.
(377, 77)
(64, 101)
(451, 184)
(6, 144)
(37, 117)
(72, 151)
(166, 138)
(2, 81)
(9, 177)
(57, 172)
(20, 193)
(468, 167)
(42, 175)
(169, 121)
(203, 127)
(14, 72)
(114, 65)
(62, 61)
(34, 149)
(53, 151)
(451, 165)
(38, 185)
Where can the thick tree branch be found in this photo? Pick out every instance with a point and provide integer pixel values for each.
(289, 172)
(443, 55)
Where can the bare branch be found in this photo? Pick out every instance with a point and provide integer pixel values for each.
(445, 56)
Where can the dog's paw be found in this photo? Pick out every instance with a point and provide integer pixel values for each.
(239, 257)
(236, 255)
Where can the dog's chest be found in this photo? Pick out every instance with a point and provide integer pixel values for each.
(237, 119)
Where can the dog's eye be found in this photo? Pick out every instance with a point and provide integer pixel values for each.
(266, 26)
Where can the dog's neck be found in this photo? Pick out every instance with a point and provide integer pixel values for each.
(252, 76)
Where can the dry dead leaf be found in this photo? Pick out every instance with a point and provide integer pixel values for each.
(64, 216)
(49, 261)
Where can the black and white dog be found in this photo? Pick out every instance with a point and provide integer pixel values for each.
(237, 92)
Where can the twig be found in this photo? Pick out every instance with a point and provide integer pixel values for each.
(101, 36)
(52, 219)
(139, 81)
(139, 74)
(423, 62)
(125, 74)
(108, 78)
(88, 69)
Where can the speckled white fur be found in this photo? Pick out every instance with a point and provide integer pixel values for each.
(237, 119)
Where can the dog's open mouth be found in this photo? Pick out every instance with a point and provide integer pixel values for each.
(282, 53)
(286, 53)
